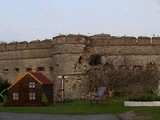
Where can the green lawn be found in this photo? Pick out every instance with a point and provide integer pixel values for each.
(110, 106)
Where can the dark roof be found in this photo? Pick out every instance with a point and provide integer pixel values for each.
(43, 79)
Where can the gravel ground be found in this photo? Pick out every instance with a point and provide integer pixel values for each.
(17, 116)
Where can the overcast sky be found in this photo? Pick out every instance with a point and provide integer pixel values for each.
(40, 19)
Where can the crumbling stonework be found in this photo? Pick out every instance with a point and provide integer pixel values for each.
(71, 56)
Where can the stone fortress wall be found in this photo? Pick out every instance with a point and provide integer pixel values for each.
(18, 58)
(70, 55)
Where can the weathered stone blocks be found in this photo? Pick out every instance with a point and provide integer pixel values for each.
(69, 55)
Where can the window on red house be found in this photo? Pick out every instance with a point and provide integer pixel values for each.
(32, 96)
(15, 96)
(32, 85)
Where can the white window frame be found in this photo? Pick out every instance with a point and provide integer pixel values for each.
(15, 96)
(32, 84)
(32, 96)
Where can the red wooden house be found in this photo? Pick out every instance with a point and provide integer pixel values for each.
(28, 89)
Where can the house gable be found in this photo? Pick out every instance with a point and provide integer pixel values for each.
(26, 94)
(41, 79)
(28, 90)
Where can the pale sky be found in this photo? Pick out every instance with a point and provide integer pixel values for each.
(40, 19)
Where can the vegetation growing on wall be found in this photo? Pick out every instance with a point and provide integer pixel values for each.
(121, 79)
(125, 78)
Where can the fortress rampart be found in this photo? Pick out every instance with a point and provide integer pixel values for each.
(14, 46)
(70, 55)
(96, 40)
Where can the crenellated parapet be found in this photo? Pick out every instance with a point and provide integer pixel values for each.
(63, 44)
(107, 40)
(70, 39)
(95, 40)
(66, 52)
(156, 40)
(37, 44)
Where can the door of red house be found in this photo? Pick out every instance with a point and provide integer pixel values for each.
(24, 94)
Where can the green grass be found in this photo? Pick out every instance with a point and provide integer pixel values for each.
(112, 106)
(75, 107)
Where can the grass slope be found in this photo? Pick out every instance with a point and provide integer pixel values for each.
(111, 106)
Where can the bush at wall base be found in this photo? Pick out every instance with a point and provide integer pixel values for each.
(145, 97)
(5, 100)
(143, 100)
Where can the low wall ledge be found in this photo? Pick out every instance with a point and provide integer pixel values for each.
(141, 103)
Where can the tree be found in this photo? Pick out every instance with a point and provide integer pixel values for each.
(121, 79)
(126, 79)
(4, 84)
(44, 98)
(150, 79)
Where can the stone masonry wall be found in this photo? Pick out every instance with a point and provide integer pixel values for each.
(66, 53)
(70, 56)
(134, 52)
(18, 58)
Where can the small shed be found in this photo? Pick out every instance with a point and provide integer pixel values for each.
(30, 90)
